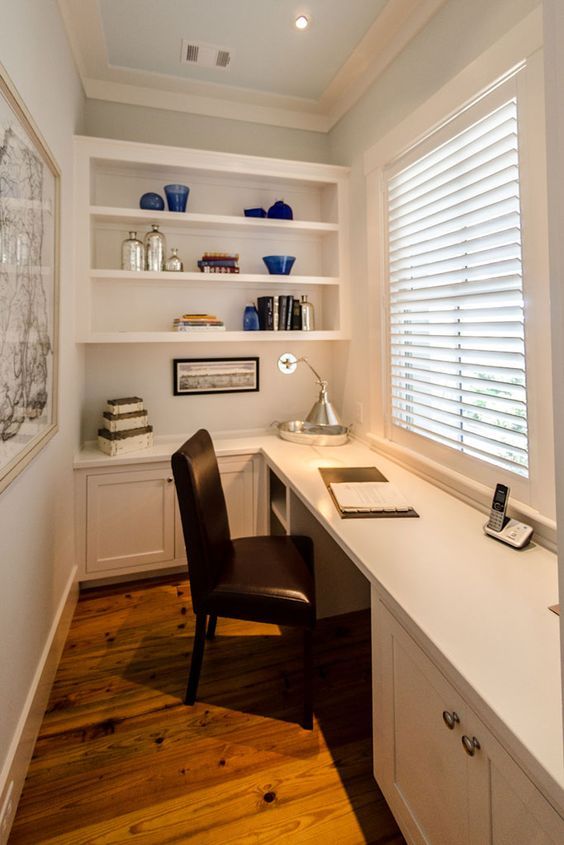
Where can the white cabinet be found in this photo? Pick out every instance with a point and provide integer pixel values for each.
(116, 306)
(445, 776)
(128, 519)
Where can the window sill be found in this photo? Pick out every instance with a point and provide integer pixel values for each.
(473, 493)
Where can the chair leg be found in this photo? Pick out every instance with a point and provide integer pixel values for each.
(197, 657)
(210, 634)
(308, 680)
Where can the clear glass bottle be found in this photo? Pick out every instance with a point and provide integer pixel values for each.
(155, 249)
(306, 309)
(173, 263)
(132, 253)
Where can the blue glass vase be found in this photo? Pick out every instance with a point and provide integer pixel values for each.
(176, 197)
(250, 319)
(151, 202)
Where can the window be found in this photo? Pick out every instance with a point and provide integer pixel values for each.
(455, 279)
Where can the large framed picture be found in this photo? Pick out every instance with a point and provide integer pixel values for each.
(215, 375)
(29, 286)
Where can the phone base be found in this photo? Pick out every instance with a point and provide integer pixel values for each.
(514, 533)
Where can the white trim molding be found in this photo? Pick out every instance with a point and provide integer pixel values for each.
(518, 54)
(21, 748)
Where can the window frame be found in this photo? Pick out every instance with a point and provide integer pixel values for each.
(463, 101)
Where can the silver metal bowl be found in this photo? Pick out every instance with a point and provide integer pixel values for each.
(299, 431)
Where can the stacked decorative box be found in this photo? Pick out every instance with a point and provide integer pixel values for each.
(125, 427)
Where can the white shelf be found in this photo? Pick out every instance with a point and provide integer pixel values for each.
(233, 279)
(187, 220)
(209, 337)
(117, 306)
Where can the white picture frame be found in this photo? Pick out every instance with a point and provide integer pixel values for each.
(29, 287)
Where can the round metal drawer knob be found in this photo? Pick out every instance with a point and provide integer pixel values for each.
(450, 719)
(470, 745)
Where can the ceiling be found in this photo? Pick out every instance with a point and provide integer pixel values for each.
(130, 51)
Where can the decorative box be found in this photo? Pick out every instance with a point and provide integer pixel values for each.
(123, 422)
(124, 406)
(117, 442)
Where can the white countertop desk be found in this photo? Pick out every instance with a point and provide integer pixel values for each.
(478, 604)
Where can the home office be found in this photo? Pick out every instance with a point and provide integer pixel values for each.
(472, 721)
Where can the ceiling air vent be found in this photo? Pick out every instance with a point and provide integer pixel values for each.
(204, 55)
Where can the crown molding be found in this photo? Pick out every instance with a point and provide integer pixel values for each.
(138, 95)
(395, 26)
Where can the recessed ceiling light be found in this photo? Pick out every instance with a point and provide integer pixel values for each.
(302, 22)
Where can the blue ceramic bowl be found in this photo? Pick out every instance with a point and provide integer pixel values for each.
(279, 265)
(151, 202)
(176, 197)
(255, 212)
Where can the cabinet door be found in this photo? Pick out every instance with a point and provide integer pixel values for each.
(518, 812)
(418, 762)
(130, 520)
(238, 480)
(440, 793)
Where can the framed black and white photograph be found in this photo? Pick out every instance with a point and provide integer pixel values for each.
(215, 375)
(29, 284)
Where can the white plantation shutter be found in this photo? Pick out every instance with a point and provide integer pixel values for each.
(456, 294)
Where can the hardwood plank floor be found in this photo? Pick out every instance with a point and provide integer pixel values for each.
(120, 759)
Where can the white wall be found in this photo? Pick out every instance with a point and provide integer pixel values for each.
(132, 370)
(36, 510)
(454, 37)
(161, 126)
(554, 33)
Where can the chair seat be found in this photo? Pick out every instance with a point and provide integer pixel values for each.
(265, 580)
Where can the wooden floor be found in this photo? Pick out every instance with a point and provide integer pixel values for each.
(120, 759)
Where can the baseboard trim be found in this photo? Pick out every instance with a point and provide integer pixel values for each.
(23, 742)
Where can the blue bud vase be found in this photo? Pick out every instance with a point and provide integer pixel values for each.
(250, 319)
(151, 202)
(176, 197)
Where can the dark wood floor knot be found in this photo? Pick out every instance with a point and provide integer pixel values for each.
(269, 797)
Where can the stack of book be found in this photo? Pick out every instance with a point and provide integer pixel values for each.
(279, 313)
(198, 323)
(125, 427)
(219, 262)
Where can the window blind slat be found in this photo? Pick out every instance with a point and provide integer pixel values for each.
(456, 310)
(440, 201)
(454, 249)
(500, 379)
(483, 130)
(502, 289)
(458, 407)
(459, 391)
(501, 258)
(499, 193)
(486, 159)
(459, 429)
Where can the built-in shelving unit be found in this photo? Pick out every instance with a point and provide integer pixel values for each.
(116, 306)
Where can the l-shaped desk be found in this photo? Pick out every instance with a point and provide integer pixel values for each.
(478, 609)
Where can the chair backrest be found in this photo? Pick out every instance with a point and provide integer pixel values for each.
(203, 512)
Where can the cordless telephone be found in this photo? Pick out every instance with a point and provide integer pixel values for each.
(509, 531)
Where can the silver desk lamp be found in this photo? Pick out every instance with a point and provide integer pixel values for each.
(322, 412)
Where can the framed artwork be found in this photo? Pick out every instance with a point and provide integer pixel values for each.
(29, 286)
(215, 375)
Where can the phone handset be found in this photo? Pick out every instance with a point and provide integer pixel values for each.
(510, 531)
(497, 518)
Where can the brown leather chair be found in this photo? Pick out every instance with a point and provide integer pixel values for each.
(262, 579)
